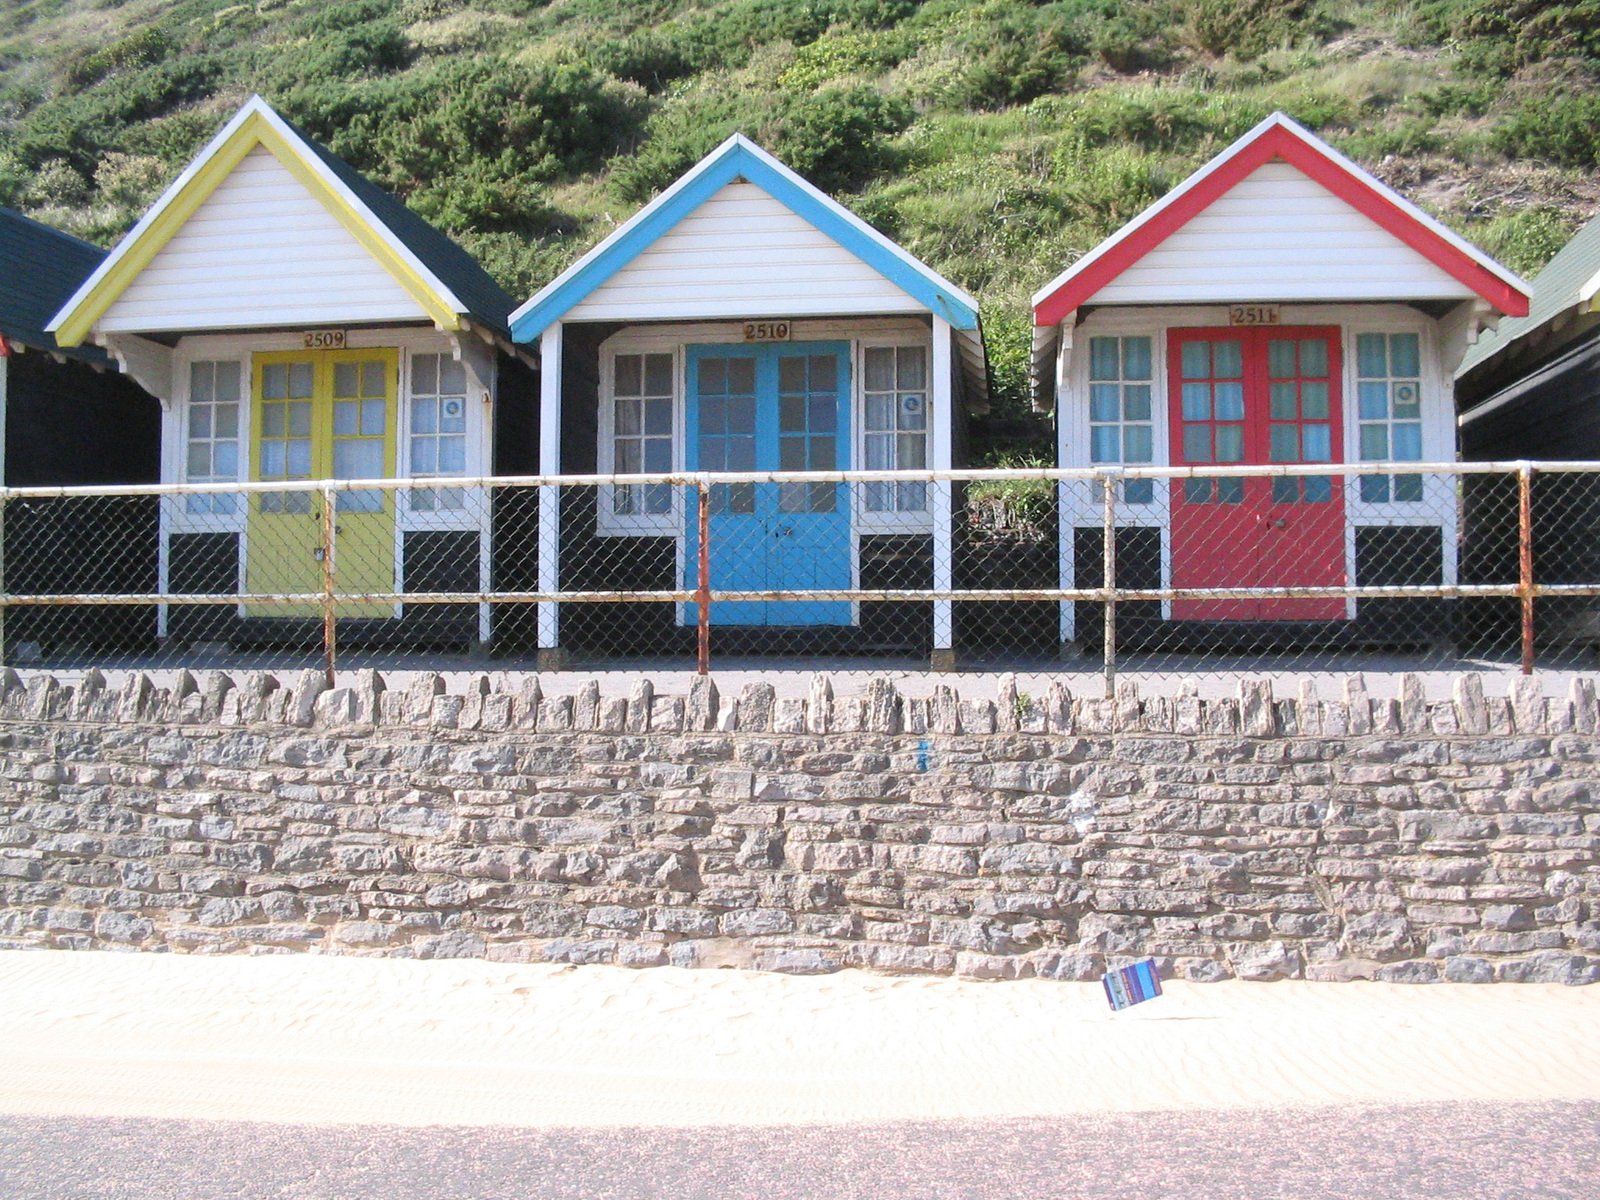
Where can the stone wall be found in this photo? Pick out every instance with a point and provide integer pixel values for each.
(1004, 837)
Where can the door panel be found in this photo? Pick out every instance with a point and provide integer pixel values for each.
(328, 415)
(771, 408)
(1256, 396)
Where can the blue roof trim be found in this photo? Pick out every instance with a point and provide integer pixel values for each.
(693, 190)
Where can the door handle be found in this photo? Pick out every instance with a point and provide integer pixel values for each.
(783, 531)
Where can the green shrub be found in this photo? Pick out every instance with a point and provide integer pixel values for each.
(1497, 38)
(1243, 28)
(1526, 239)
(1566, 133)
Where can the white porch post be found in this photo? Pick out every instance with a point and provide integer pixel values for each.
(549, 497)
(943, 658)
(1066, 550)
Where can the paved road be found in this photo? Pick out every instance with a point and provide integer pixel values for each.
(1441, 1152)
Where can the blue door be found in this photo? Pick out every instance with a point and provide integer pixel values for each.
(782, 407)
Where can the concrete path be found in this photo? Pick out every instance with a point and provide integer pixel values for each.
(1428, 1152)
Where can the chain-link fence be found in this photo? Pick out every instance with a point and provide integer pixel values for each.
(1190, 573)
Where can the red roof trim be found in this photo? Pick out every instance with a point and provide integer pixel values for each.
(1280, 142)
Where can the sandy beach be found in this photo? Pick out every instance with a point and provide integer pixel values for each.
(325, 1040)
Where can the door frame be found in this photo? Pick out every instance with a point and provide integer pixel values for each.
(767, 437)
(1256, 448)
(322, 448)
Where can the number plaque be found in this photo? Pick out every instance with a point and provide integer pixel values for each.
(766, 331)
(1252, 314)
(324, 339)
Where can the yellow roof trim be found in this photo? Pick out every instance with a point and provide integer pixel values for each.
(253, 131)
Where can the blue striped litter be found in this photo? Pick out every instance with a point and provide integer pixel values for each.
(1132, 984)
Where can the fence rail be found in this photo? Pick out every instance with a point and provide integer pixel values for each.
(1160, 566)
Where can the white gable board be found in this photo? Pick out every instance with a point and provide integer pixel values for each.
(259, 251)
(1279, 235)
(741, 254)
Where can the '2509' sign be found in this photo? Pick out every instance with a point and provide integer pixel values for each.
(324, 339)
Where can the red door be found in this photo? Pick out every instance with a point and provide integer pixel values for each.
(1256, 396)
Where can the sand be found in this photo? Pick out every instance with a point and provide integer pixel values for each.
(311, 1039)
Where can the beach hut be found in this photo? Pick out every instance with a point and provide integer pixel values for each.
(297, 322)
(1530, 389)
(68, 418)
(744, 321)
(1279, 306)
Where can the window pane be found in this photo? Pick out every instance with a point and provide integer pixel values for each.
(1136, 446)
(1197, 444)
(880, 453)
(1405, 357)
(791, 454)
(1314, 400)
(658, 416)
(424, 416)
(273, 459)
(791, 414)
(1103, 358)
(913, 412)
(374, 417)
(1230, 443)
(272, 420)
(1285, 444)
(424, 375)
(1139, 491)
(1375, 488)
(200, 421)
(823, 414)
(628, 455)
(1408, 488)
(424, 456)
(199, 461)
(227, 423)
(627, 415)
(1407, 404)
(657, 455)
(1230, 401)
(824, 453)
(372, 381)
(300, 419)
(227, 382)
(1105, 402)
(742, 414)
(880, 413)
(791, 374)
(452, 455)
(1408, 442)
(299, 380)
(1285, 403)
(825, 373)
(658, 374)
(200, 376)
(630, 379)
(344, 379)
(1230, 491)
(1136, 358)
(1317, 442)
(1374, 442)
(344, 418)
(742, 376)
(1103, 447)
(1196, 402)
(741, 454)
(880, 369)
(912, 448)
(912, 374)
(225, 460)
(1196, 360)
(1228, 359)
(274, 381)
(299, 459)
(1136, 402)
(452, 379)
(1281, 358)
(1374, 401)
(1318, 489)
(1314, 359)
(1371, 361)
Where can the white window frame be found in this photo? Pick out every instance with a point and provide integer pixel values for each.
(176, 508)
(436, 518)
(1122, 423)
(1388, 333)
(867, 521)
(608, 522)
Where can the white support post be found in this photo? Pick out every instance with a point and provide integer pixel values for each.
(1066, 554)
(942, 495)
(549, 497)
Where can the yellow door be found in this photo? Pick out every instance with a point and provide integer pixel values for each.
(323, 415)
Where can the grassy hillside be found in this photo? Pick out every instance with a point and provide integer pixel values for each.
(997, 139)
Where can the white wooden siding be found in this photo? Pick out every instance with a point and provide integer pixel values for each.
(260, 250)
(742, 254)
(1280, 235)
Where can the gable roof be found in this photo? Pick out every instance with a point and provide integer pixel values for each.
(738, 158)
(44, 266)
(447, 283)
(1281, 138)
(1569, 280)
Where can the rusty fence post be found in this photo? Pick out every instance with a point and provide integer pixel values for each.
(702, 595)
(1525, 560)
(329, 530)
(1110, 585)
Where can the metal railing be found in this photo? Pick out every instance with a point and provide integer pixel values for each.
(1168, 568)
